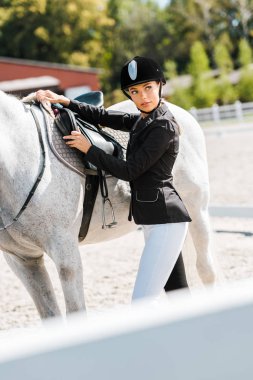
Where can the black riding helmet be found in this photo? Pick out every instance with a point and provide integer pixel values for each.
(140, 70)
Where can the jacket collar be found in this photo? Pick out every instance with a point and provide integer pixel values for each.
(145, 122)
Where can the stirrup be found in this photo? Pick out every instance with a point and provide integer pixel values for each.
(113, 222)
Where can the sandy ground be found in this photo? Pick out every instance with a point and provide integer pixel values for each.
(110, 268)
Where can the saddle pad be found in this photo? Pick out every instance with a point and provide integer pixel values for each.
(71, 158)
(68, 121)
(121, 137)
(75, 159)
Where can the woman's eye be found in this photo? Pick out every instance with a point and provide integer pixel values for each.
(134, 92)
(148, 88)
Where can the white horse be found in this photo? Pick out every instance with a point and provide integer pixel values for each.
(50, 224)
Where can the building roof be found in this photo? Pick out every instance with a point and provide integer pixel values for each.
(54, 65)
(68, 76)
(29, 83)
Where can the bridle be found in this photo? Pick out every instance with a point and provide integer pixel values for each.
(39, 177)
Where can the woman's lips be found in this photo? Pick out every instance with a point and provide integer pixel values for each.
(145, 104)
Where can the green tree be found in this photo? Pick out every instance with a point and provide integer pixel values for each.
(245, 86)
(203, 88)
(187, 21)
(245, 53)
(222, 58)
(182, 97)
(226, 92)
(52, 30)
(234, 17)
(199, 62)
(245, 83)
(137, 31)
(170, 69)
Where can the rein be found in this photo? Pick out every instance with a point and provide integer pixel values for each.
(2, 228)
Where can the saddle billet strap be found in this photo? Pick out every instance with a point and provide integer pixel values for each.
(30, 195)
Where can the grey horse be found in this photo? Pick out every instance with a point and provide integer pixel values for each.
(50, 224)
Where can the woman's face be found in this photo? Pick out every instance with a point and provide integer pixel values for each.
(145, 95)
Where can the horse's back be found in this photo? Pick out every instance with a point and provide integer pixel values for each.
(192, 161)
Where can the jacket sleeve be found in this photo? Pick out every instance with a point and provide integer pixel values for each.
(100, 116)
(155, 145)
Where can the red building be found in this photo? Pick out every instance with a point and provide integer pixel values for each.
(21, 77)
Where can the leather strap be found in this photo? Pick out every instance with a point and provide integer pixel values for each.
(30, 195)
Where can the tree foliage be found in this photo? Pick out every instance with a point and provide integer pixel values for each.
(106, 33)
(222, 58)
(52, 30)
(245, 53)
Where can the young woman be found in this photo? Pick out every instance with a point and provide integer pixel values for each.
(151, 153)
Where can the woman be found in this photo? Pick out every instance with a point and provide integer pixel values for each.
(151, 153)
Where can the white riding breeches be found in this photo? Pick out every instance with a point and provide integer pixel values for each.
(163, 244)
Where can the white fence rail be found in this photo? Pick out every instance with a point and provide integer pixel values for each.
(216, 113)
(189, 337)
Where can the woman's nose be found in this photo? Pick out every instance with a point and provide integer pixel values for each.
(143, 94)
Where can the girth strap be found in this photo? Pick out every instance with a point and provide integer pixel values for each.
(90, 195)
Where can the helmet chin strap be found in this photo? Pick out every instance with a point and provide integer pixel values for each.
(158, 105)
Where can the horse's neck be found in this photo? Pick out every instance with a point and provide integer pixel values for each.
(19, 154)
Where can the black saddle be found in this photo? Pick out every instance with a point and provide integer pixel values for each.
(67, 121)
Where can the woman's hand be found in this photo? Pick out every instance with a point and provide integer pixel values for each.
(77, 140)
(52, 97)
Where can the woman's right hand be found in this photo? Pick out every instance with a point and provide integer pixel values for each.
(52, 97)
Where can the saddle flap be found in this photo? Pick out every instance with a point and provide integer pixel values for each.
(65, 121)
(95, 137)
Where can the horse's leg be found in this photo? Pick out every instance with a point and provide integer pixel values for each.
(201, 234)
(67, 259)
(34, 276)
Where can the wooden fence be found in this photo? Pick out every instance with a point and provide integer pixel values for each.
(207, 336)
(239, 111)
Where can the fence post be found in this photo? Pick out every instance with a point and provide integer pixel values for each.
(216, 112)
(238, 110)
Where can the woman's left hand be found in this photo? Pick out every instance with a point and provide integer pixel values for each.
(78, 141)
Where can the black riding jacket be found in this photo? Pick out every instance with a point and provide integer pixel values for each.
(151, 153)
